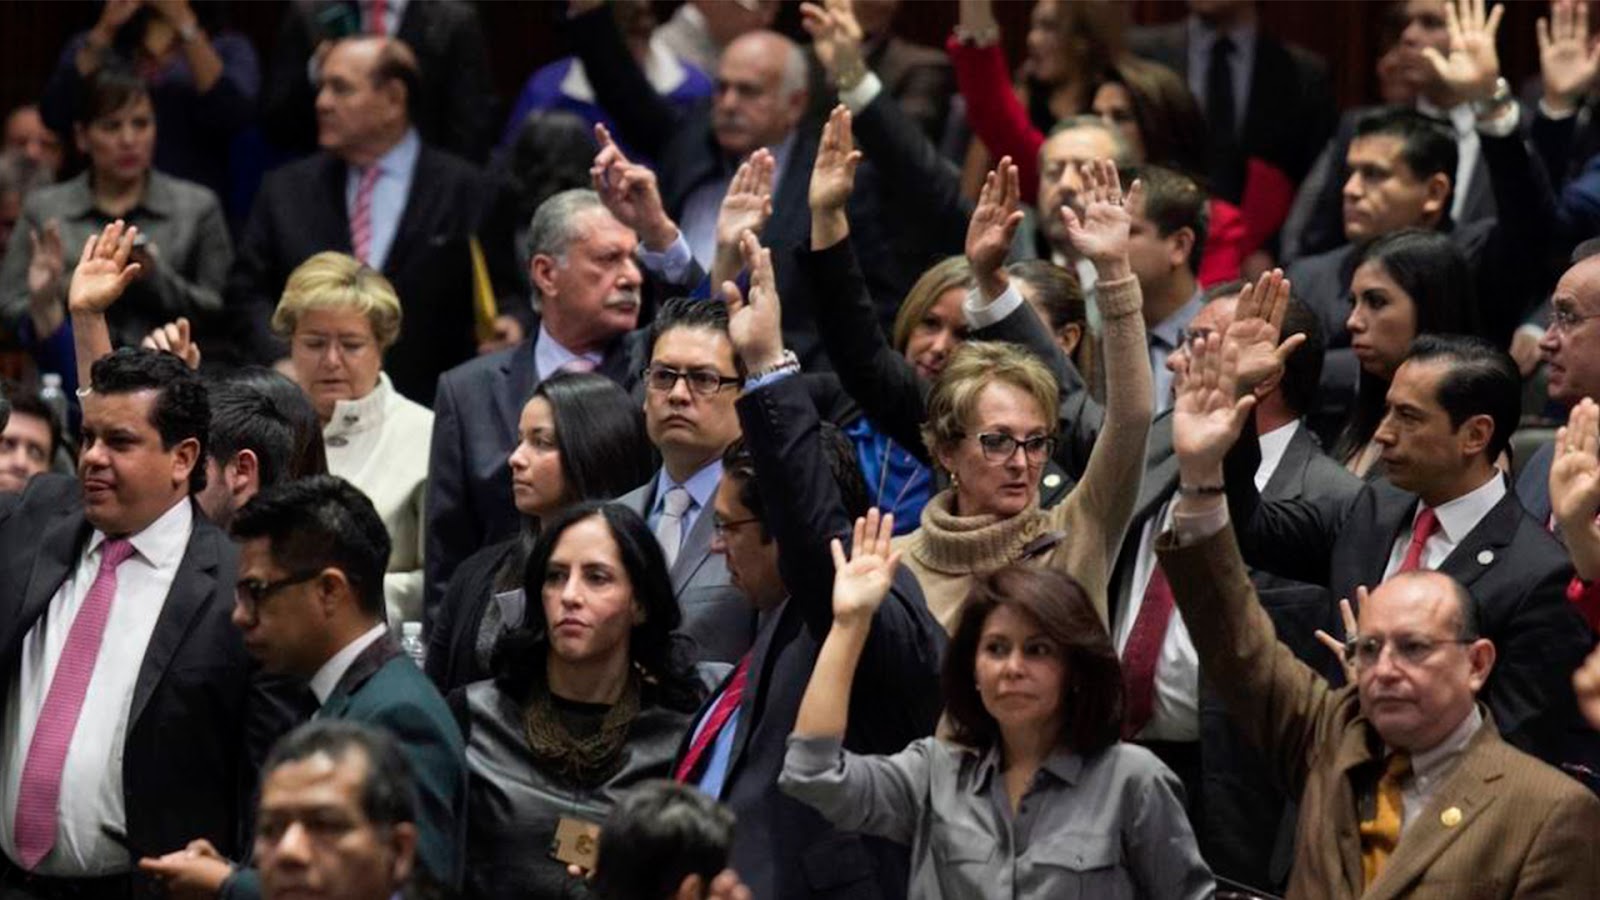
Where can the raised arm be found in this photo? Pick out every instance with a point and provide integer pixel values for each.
(103, 273)
(647, 121)
(993, 110)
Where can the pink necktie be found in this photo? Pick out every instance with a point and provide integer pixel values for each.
(361, 219)
(40, 790)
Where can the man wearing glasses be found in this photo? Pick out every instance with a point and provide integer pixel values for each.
(690, 386)
(309, 602)
(1405, 786)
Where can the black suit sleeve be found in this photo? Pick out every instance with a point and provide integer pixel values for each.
(1290, 537)
(919, 187)
(287, 97)
(1509, 276)
(1538, 644)
(463, 125)
(646, 121)
(452, 528)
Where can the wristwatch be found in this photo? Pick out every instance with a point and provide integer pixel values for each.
(1497, 101)
(787, 363)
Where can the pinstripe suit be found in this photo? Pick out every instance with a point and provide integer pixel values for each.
(1501, 825)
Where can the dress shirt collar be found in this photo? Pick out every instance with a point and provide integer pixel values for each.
(1062, 763)
(162, 543)
(702, 485)
(1169, 329)
(327, 677)
(1273, 445)
(157, 198)
(1428, 764)
(549, 356)
(361, 414)
(1461, 515)
(1461, 117)
(1202, 37)
(398, 161)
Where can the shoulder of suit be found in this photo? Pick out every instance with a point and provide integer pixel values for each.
(1535, 782)
(482, 367)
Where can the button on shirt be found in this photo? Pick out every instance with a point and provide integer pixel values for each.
(91, 781)
(1109, 827)
(389, 193)
(1457, 518)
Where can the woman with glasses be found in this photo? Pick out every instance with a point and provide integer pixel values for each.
(580, 438)
(1032, 795)
(591, 696)
(340, 316)
(1407, 283)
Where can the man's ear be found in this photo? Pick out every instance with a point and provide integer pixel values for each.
(1475, 434)
(403, 844)
(1439, 192)
(185, 456)
(542, 272)
(1181, 243)
(1069, 336)
(1481, 654)
(245, 480)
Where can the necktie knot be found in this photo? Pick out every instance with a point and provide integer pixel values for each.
(576, 366)
(1397, 767)
(676, 501)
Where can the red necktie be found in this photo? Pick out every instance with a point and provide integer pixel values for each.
(377, 19)
(361, 219)
(1143, 651)
(39, 793)
(721, 711)
(1426, 526)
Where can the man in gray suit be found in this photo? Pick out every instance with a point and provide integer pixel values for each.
(691, 384)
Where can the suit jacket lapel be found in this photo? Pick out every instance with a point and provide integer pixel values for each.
(1288, 479)
(63, 538)
(192, 586)
(693, 554)
(375, 656)
(1477, 551)
(1392, 514)
(411, 232)
(1356, 749)
(754, 689)
(520, 376)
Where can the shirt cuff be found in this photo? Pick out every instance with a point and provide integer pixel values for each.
(981, 315)
(672, 263)
(1503, 124)
(813, 754)
(1203, 518)
(762, 381)
(867, 90)
(1532, 329)
(1552, 115)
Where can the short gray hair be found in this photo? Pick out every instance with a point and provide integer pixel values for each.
(554, 225)
(1122, 156)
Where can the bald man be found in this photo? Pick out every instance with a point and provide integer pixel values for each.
(379, 192)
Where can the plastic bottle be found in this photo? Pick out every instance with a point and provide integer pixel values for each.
(411, 642)
(51, 392)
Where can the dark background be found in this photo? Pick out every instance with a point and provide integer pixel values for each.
(523, 35)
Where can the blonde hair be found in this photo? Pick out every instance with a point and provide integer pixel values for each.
(952, 272)
(974, 366)
(339, 281)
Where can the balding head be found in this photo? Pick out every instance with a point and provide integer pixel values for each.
(1571, 345)
(761, 92)
(1420, 661)
(368, 87)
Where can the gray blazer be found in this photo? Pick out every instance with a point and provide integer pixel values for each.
(715, 612)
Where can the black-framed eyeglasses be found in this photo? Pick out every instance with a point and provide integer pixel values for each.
(998, 447)
(1563, 320)
(1187, 336)
(1365, 652)
(704, 382)
(250, 593)
(722, 528)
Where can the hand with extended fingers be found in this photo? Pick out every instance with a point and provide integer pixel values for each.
(833, 175)
(1568, 62)
(1472, 67)
(755, 322)
(1208, 412)
(1575, 486)
(104, 271)
(629, 191)
(1254, 331)
(175, 338)
(1337, 646)
(1102, 234)
(745, 208)
(993, 226)
(835, 35)
(861, 581)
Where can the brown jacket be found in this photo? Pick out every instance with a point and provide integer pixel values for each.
(1520, 828)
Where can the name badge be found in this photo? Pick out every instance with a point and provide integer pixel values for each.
(577, 843)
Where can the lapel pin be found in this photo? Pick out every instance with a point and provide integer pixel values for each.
(1451, 817)
(1485, 557)
(1052, 480)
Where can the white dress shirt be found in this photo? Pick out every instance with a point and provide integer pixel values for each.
(1464, 122)
(1431, 767)
(91, 780)
(1456, 519)
(327, 677)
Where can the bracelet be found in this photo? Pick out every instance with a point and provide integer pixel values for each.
(982, 36)
(1200, 490)
(788, 363)
(848, 78)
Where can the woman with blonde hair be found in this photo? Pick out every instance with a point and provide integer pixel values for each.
(340, 316)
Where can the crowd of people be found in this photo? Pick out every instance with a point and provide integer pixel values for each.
(785, 469)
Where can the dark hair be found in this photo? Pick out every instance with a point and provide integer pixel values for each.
(551, 154)
(1171, 125)
(687, 312)
(1428, 146)
(1302, 372)
(310, 456)
(1091, 690)
(388, 793)
(182, 409)
(738, 464)
(27, 402)
(1432, 270)
(1172, 201)
(1479, 379)
(320, 523)
(655, 648)
(243, 418)
(1056, 289)
(110, 89)
(664, 831)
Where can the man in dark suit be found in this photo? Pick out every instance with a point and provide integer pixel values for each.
(310, 606)
(586, 285)
(691, 384)
(1445, 506)
(789, 486)
(456, 96)
(117, 575)
(1571, 350)
(377, 191)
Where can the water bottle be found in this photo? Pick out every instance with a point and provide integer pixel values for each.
(411, 642)
(51, 392)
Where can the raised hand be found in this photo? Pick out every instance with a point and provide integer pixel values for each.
(1337, 646)
(861, 581)
(104, 271)
(746, 207)
(755, 323)
(175, 338)
(1469, 72)
(836, 37)
(1102, 234)
(993, 226)
(1208, 412)
(833, 175)
(629, 191)
(1567, 62)
(47, 263)
(1253, 333)
(1575, 471)
(727, 886)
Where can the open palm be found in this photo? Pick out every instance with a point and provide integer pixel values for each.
(861, 581)
(103, 271)
(748, 203)
(1208, 414)
(1252, 336)
(1567, 63)
(1102, 233)
(995, 219)
(1473, 64)
(1575, 472)
(833, 175)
